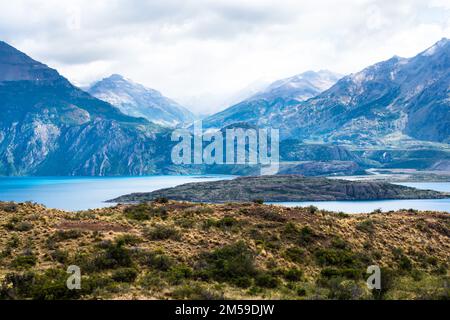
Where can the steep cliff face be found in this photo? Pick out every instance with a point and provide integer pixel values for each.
(50, 127)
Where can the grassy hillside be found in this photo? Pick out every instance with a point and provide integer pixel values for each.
(175, 250)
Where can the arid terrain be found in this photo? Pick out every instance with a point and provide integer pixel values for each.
(179, 250)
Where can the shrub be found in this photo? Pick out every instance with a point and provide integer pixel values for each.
(128, 239)
(144, 211)
(367, 226)
(336, 257)
(293, 274)
(313, 209)
(9, 207)
(388, 277)
(60, 256)
(258, 201)
(50, 285)
(196, 292)
(303, 236)
(295, 254)
(161, 200)
(340, 243)
(301, 292)
(345, 290)
(232, 263)
(178, 273)
(24, 261)
(63, 235)
(266, 280)
(265, 213)
(110, 256)
(14, 224)
(405, 263)
(347, 273)
(185, 222)
(155, 259)
(125, 275)
(162, 232)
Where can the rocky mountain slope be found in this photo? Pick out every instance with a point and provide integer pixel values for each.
(50, 127)
(283, 188)
(397, 99)
(263, 107)
(136, 100)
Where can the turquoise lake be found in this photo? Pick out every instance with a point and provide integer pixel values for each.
(80, 193)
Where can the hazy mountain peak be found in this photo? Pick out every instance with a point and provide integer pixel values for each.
(301, 86)
(441, 44)
(136, 100)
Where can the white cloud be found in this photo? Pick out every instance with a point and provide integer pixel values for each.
(207, 50)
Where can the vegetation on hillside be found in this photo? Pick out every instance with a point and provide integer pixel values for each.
(178, 250)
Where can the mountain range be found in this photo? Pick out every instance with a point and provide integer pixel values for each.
(135, 100)
(261, 107)
(394, 114)
(50, 127)
(395, 100)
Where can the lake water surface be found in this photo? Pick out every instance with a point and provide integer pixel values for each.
(385, 205)
(80, 193)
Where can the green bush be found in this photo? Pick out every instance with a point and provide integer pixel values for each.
(178, 273)
(24, 261)
(155, 259)
(295, 254)
(162, 232)
(258, 201)
(232, 263)
(144, 211)
(313, 209)
(302, 236)
(337, 257)
(266, 280)
(293, 274)
(161, 200)
(64, 235)
(128, 239)
(367, 226)
(111, 255)
(196, 292)
(60, 256)
(125, 275)
(15, 224)
(347, 273)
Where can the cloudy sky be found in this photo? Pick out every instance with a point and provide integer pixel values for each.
(201, 52)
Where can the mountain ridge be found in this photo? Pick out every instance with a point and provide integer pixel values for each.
(139, 101)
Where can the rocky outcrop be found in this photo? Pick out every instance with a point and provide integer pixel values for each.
(283, 188)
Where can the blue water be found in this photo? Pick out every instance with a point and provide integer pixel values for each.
(384, 205)
(80, 193)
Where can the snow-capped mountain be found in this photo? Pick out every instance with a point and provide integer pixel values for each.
(300, 87)
(263, 106)
(400, 99)
(138, 101)
(394, 101)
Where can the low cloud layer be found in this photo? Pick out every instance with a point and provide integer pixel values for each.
(202, 52)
